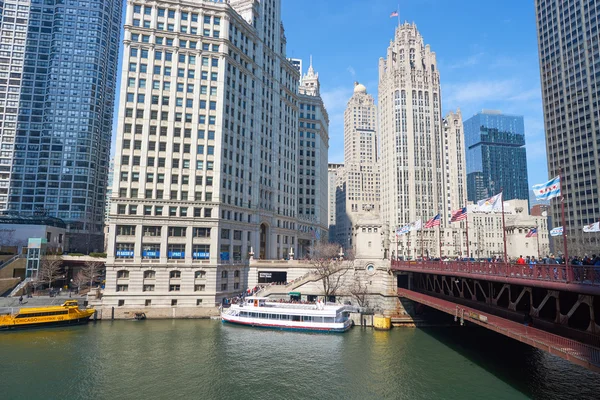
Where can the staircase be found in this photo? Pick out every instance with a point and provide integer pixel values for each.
(285, 289)
(19, 287)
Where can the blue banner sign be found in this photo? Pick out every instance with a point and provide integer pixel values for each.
(124, 253)
(177, 254)
(201, 255)
(151, 254)
(225, 256)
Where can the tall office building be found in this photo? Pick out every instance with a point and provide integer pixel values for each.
(313, 146)
(332, 178)
(496, 156)
(207, 153)
(412, 155)
(58, 64)
(359, 181)
(569, 65)
(454, 161)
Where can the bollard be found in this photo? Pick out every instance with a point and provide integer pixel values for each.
(95, 315)
(112, 314)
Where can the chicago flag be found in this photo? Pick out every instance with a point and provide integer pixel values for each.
(548, 190)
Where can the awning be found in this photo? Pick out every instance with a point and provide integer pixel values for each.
(295, 294)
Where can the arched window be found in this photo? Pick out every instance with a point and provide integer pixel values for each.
(175, 274)
(149, 274)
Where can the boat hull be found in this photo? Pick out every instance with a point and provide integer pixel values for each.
(299, 328)
(42, 325)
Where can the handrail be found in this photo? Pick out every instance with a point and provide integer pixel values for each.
(585, 275)
(10, 260)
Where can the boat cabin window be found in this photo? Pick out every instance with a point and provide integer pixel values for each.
(43, 314)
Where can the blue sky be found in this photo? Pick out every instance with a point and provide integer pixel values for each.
(486, 51)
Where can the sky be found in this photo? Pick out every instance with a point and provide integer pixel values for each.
(486, 52)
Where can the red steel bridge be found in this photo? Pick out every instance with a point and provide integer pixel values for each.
(552, 307)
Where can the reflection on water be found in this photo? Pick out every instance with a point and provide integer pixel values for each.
(207, 360)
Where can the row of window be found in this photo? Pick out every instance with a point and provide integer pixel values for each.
(183, 15)
(172, 211)
(176, 287)
(151, 274)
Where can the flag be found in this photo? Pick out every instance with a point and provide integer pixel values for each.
(435, 221)
(494, 203)
(556, 231)
(394, 14)
(532, 233)
(459, 215)
(548, 190)
(413, 226)
(595, 227)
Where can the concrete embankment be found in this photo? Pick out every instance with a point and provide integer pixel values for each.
(108, 313)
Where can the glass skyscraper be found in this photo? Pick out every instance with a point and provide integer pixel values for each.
(58, 62)
(496, 156)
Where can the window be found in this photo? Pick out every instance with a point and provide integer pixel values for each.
(236, 273)
(198, 302)
(201, 251)
(200, 275)
(174, 288)
(202, 232)
(199, 288)
(173, 303)
(121, 303)
(223, 286)
(148, 288)
(122, 288)
(223, 274)
(225, 233)
(148, 303)
(123, 274)
(175, 274)
(149, 274)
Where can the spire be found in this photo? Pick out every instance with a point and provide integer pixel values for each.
(311, 71)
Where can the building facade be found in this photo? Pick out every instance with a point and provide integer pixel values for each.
(313, 147)
(496, 156)
(569, 61)
(358, 185)
(207, 153)
(58, 63)
(411, 131)
(332, 179)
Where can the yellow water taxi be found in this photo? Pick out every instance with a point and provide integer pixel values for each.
(38, 317)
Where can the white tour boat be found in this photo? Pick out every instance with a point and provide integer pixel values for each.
(260, 312)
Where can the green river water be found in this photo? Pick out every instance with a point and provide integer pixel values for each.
(204, 359)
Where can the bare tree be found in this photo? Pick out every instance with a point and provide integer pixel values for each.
(91, 270)
(80, 280)
(329, 266)
(50, 269)
(359, 291)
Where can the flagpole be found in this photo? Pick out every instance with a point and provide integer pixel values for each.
(467, 232)
(562, 210)
(421, 238)
(440, 238)
(398, 9)
(503, 225)
(537, 231)
(397, 246)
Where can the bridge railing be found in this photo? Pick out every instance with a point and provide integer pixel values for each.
(575, 274)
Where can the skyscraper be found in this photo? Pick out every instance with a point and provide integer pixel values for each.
(207, 163)
(359, 181)
(313, 146)
(332, 172)
(411, 137)
(496, 156)
(58, 63)
(569, 64)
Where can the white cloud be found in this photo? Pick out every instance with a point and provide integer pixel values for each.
(351, 70)
(468, 62)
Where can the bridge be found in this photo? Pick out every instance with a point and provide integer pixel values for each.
(552, 307)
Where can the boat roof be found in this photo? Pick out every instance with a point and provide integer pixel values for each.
(295, 309)
(27, 310)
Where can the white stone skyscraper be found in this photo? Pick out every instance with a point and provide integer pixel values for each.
(359, 181)
(415, 160)
(207, 154)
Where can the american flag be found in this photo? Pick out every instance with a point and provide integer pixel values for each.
(532, 233)
(459, 215)
(435, 221)
(394, 14)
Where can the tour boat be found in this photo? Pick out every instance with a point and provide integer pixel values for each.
(260, 312)
(40, 317)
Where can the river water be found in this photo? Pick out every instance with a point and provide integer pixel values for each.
(204, 359)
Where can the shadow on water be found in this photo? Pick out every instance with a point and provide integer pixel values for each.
(533, 372)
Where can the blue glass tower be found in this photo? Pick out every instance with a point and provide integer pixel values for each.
(58, 64)
(496, 156)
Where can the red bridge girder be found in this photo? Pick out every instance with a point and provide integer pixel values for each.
(568, 349)
(578, 279)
